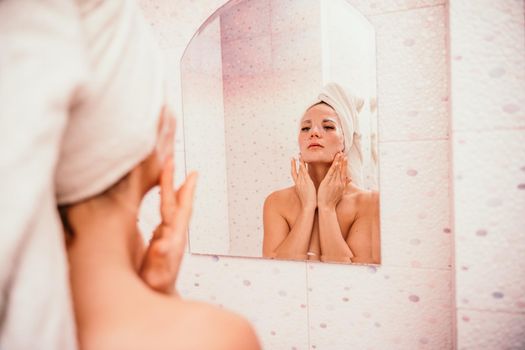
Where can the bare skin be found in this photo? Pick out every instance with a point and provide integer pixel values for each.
(324, 216)
(123, 292)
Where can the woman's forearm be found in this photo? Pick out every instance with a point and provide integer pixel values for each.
(296, 243)
(333, 245)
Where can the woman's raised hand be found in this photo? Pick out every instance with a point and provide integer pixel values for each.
(332, 187)
(161, 262)
(304, 186)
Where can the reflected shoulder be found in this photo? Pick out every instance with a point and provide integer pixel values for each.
(280, 197)
(369, 201)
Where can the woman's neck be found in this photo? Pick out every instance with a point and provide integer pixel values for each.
(107, 225)
(317, 172)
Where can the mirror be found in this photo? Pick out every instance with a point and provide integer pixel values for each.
(249, 76)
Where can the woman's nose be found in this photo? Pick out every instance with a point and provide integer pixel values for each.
(314, 131)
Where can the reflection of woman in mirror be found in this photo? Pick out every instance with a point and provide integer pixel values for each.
(325, 215)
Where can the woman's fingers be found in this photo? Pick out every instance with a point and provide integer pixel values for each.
(343, 170)
(184, 198)
(294, 170)
(334, 167)
(155, 269)
(304, 169)
(167, 195)
(163, 257)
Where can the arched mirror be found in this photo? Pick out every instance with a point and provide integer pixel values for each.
(250, 76)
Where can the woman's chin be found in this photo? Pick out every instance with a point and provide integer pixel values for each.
(317, 160)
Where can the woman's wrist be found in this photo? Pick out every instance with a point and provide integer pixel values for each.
(309, 207)
(326, 206)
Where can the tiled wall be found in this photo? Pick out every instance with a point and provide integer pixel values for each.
(294, 305)
(488, 139)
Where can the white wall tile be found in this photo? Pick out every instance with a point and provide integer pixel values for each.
(366, 307)
(414, 190)
(271, 294)
(489, 191)
(490, 330)
(369, 7)
(488, 64)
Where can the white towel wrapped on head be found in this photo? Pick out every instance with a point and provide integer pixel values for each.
(113, 127)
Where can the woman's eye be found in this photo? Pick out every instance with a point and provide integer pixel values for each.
(306, 128)
(329, 127)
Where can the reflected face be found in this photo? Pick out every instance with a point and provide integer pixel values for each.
(320, 134)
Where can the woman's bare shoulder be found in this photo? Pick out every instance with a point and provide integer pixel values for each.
(369, 201)
(363, 199)
(280, 197)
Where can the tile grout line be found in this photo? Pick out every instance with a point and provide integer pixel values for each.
(522, 313)
(415, 140)
(307, 305)
(389, 12)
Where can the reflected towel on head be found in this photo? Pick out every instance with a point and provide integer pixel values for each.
(347, 106)
(113, 126)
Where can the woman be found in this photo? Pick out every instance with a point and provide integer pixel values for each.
(123, 294)
(117, 144)
(325, 216)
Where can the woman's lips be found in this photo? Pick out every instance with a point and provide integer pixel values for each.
(315, 145)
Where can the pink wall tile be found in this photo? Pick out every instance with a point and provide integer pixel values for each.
(248, 19)
(175, 22)
(412, 74)
(297, 51)
(414, 189)
(290, 16)
(246, 56)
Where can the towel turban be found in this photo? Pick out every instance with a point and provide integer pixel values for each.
(113, 126)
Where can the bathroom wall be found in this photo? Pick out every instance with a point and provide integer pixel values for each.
(488, 138)
(406, 303)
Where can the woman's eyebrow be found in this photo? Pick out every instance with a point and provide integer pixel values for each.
(306, 121)
(328, 120)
